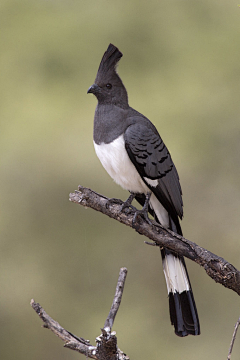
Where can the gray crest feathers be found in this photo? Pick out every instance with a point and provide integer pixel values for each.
(109, 61)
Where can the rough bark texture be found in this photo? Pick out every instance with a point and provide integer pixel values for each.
(216, 267)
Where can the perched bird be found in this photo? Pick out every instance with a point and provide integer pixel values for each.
(134, 155)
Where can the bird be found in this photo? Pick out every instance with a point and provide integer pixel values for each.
(132, 152)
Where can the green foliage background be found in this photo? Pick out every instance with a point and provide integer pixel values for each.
(181, 68)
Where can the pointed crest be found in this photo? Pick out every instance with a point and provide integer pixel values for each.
(109, 60)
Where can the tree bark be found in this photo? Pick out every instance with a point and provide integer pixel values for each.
(216, 267)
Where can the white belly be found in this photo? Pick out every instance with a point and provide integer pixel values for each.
(117, 163)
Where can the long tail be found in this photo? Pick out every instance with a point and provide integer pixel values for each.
(183, 311)
(182, 308)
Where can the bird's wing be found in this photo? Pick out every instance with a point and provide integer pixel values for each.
(154, 164)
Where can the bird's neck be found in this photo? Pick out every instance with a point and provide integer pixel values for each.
(112, 103)
(110, 122)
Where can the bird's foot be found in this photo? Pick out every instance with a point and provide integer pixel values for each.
(127, 205)
(144, 212)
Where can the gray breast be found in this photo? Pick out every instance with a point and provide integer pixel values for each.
(109, 123)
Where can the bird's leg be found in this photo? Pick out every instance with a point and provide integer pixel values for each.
(128, 203)
(144, 212)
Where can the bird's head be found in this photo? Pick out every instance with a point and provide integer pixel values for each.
(108, 87)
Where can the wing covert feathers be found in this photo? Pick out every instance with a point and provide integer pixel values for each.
(152, 160)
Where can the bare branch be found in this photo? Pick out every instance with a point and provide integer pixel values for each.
(107, 342)
(216, 267)
(71, 341)
(106, 348)
(116, 301)
(233, 339)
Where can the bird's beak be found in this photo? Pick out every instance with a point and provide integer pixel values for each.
(93, 89)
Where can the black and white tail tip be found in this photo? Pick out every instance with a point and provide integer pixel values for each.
(183, 312)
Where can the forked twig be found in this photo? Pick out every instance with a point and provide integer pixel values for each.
(106, 348)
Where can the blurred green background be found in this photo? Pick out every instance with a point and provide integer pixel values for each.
(181, 68)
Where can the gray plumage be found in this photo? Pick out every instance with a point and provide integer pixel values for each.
(133, 153)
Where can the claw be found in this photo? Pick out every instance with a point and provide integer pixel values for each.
(144, 212)
(128, 203)
(143, 215)
(127, 206)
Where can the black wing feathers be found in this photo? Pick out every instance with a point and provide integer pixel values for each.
(151, 156)
(152, 160)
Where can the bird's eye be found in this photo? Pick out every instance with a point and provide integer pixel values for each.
(109, 86)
